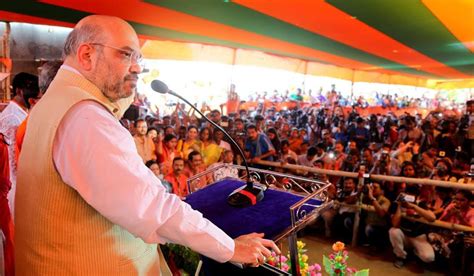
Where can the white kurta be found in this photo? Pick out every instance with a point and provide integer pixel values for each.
(97, 157)
(10, 118)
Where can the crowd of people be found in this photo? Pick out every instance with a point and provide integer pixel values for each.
(388, 100)
(437, 147)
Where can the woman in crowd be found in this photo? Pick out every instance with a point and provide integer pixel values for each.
(460, 211)
(273, 136)
(210, 151)
(191, 142)
(155, 168)
(166, 151)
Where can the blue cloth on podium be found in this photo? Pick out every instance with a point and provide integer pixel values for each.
(270, 216)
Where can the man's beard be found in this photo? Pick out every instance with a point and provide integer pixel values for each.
(113, 87)
(118, 89)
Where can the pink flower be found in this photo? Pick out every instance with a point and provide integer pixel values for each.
(345, 253)
(351, 270)
(314, 268)
(331, 256)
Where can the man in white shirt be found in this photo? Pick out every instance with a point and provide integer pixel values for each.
(103, 54)
(221, 173)
(308, 158)
(26, 92)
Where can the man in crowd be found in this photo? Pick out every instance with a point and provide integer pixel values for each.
(360, 134)
(405, 232)
(239, 128)
(48, 71)
(327, 140)
(343, 215)
(144, 143)
(385, 164)
(196, 166)
(178, 178)
(376, 226)
(216, 116)
(46, 76)
(308, 158)
(111, 203)
(258, 145)
(25, 93)
(227, 158)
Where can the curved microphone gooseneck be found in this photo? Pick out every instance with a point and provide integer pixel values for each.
(243, 196)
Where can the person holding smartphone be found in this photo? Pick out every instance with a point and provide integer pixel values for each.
(406, 233)
(376, 226)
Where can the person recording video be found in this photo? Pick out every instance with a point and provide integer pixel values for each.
(376, 219)
(442, 170)
(407, 233)
(385, 164)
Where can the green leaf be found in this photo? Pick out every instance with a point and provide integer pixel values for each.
(364, 272)
(327, 264)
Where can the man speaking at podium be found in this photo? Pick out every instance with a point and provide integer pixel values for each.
(86, 204)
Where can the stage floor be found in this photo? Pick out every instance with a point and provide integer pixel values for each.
(379, 264)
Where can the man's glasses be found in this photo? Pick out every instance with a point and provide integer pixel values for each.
(130, 56)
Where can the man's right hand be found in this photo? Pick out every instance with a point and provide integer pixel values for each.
(253, 249)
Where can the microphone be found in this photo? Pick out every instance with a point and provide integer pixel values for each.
(243, 196)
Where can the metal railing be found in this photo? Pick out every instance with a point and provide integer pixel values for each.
(376, 177)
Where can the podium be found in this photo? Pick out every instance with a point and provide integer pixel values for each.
(281, 213)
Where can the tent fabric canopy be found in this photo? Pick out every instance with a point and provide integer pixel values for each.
(392, 40)
(154, 49)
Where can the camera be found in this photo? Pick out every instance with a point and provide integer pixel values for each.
(365, 188)
(384, 159)
(402, 197)
(441, 171)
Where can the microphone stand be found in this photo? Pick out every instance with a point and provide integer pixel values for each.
(254, 194)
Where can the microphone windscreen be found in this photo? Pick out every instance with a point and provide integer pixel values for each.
(159, 86)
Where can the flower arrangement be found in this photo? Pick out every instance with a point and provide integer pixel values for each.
(284, 263)
(336, 264)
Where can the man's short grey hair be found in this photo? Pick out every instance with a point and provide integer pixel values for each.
(88, 33)
(47, 73)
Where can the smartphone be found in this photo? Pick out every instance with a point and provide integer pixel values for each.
(406, 198)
